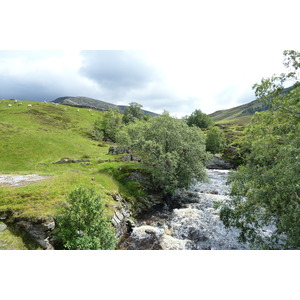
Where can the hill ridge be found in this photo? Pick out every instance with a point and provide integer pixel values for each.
(87, 102)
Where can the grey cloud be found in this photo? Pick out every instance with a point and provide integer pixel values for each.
(11, 87)
(117, 70)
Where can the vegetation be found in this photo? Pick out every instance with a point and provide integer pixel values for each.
(171, 151)
(107, 127)
(199, 119)
(241, 111)
(133, 112)
(266, 191)
(33, 138)
(82, 224)
(215, 140)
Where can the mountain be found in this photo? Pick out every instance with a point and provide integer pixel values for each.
(87, 102)
(247, 109)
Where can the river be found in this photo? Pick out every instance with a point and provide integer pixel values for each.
(194, 226)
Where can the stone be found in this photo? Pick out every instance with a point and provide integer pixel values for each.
(219, 163)
(2, 227)
(115, 150)
(39, 232)
(119, 215)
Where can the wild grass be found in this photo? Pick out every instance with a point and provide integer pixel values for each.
(33, 138)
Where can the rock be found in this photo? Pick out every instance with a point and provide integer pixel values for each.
(69, 160)
(130, 157)
(115, 150)
(145, 238)
(219, 163)
(2, 227)
(119, 215)
(39, 232)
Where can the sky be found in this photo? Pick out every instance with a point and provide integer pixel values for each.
(176, 56)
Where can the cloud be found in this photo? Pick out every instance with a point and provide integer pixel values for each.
(117, 71)
(126, 76)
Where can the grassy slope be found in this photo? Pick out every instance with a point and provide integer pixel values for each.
(244, 110)
(32, 138)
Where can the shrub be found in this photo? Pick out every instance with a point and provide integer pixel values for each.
(82, 224)
(215, 140)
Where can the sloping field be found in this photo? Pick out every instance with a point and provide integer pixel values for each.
(33, 138)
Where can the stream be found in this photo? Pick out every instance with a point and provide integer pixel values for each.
(194, 226)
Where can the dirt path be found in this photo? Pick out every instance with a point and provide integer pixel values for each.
(20, 180)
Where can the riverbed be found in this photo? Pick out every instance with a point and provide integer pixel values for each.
(195, 225)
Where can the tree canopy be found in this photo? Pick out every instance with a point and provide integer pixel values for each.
(265, 202)
(107, 127)
(215, 140)
(133, 112)
(173, 152)
(199, 119)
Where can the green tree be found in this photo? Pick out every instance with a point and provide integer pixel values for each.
(265, 203)
(173, 153)
(82, 224)
(107, 127)
(133, 112)
(199, 119)
(215, 140)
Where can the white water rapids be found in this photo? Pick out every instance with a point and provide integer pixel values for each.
(196, 225)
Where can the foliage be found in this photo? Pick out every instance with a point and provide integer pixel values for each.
(106, 128)
(215, 140)
(265, 202)
(173, 152)
(199, 119)
(133, 112)
(82, 224)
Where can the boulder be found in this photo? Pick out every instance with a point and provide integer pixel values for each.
(69, 160)
(218, 162)
(39, 232)
(2, 227)
(115, 150)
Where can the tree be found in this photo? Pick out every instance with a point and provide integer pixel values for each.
(199, 119)
(265, 203)
(215, 140)
(173, 153)
(82, 224)
(107, 127)
(133, 112)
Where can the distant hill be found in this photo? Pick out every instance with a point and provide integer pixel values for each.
(244, 110)
(247, 109)
(87, 102)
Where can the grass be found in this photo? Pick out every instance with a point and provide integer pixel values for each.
(33, 138)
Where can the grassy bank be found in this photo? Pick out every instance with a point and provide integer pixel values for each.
(33, 138)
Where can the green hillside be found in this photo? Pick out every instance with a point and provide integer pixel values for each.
(244, 110)
(33, 138)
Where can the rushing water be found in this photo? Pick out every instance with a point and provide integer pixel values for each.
(196, 225)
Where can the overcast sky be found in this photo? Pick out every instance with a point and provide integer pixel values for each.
(191, 55)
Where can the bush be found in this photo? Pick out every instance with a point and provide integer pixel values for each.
(215, 140)
(82, 224)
